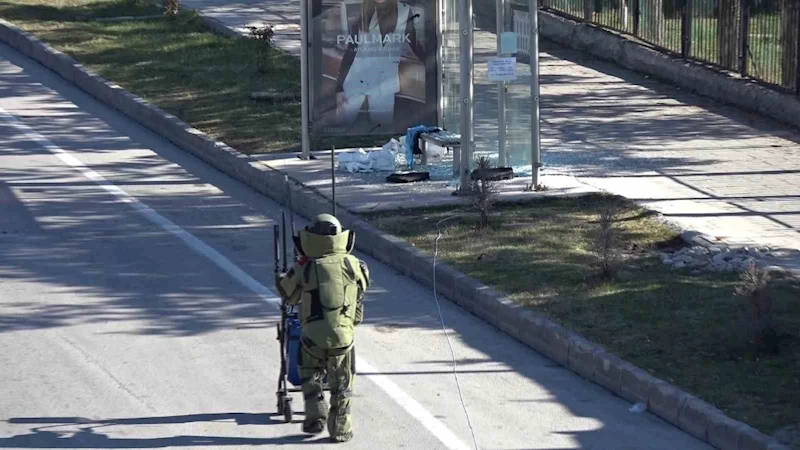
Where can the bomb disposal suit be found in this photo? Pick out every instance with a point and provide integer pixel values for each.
(328, 283)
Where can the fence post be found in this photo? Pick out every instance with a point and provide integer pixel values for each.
(790, 42)
(686, 29)
(729, 13)
(636, 17)
(744, 35)
(587, 11)
(797, 46)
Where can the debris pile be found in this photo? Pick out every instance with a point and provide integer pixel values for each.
(715, 259)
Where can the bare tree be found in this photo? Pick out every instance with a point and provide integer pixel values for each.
(754, 288)
(606, 242)
(171, 7)
(262, 35)
(483, 189)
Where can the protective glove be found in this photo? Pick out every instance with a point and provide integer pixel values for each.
(365, 271)
(278, 278)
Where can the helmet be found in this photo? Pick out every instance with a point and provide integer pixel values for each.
(325, 225)
(324, 236)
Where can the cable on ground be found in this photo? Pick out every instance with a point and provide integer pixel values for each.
(444, 329)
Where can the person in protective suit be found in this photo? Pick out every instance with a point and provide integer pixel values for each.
(328, 283)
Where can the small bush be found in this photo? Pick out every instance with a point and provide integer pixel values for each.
(172, 8)
(483, 191)
(754, 287)
(606, 240)
(262, 35)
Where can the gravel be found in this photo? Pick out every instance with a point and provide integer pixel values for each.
(714, 259)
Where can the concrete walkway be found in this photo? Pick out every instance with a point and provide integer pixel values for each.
(708, 167)
(283, 15)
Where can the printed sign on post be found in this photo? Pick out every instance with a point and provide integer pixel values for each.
(502, 69)
(373, 66)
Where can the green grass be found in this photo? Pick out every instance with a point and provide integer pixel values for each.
(73, 10)
(179, 65)
(682, 327)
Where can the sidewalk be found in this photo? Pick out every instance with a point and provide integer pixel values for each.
(283, 15)
(708, 167)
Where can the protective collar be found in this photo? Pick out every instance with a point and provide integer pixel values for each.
(317, 246)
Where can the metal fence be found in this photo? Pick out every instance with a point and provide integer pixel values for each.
(756, 38)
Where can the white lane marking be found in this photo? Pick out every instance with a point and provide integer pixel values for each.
(411, 406)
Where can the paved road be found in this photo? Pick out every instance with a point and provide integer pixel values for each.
(133, 312)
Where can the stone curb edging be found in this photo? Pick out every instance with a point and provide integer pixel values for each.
(220, 28)
(690, 75)
(558, 343)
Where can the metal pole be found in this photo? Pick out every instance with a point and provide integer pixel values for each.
(797, 48)
(283, 242)
(291, 212)
(440, 17)
(465, 21)
(333, 179)
(536, 157)
(305, 101)
(276, 237)
(744, 35)
(501, 88)
(686, 30)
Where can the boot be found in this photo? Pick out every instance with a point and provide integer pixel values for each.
(314, 426)
(342, 438)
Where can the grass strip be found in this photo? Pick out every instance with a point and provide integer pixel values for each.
(179, 65)
(687, 328)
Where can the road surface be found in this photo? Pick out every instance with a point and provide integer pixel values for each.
(136, 312)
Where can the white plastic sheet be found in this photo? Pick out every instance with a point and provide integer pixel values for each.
(383, 160)
(434, 151)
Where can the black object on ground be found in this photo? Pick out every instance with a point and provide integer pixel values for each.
(408, 177)
(275, 96)
(494, 174)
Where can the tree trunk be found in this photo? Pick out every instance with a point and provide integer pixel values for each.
(728, 33)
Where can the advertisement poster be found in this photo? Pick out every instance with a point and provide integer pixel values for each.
(373, 66)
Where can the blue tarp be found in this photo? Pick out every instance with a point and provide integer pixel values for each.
(412, 136)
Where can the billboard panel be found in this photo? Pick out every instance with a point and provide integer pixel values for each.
(373, 66)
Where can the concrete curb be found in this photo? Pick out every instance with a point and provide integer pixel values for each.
(692, 76)
(220, 28)
(532, 329)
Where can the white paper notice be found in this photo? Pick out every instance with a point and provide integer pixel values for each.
(502, 69)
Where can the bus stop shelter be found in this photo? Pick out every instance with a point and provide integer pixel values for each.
(377, 67)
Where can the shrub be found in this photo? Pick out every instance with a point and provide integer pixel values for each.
(606, 240)
(483, 190)
(262, 35)
(754, 287)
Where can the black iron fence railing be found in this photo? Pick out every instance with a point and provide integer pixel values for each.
(759, 39)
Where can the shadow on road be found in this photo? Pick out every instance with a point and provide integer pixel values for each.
(86, 434)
